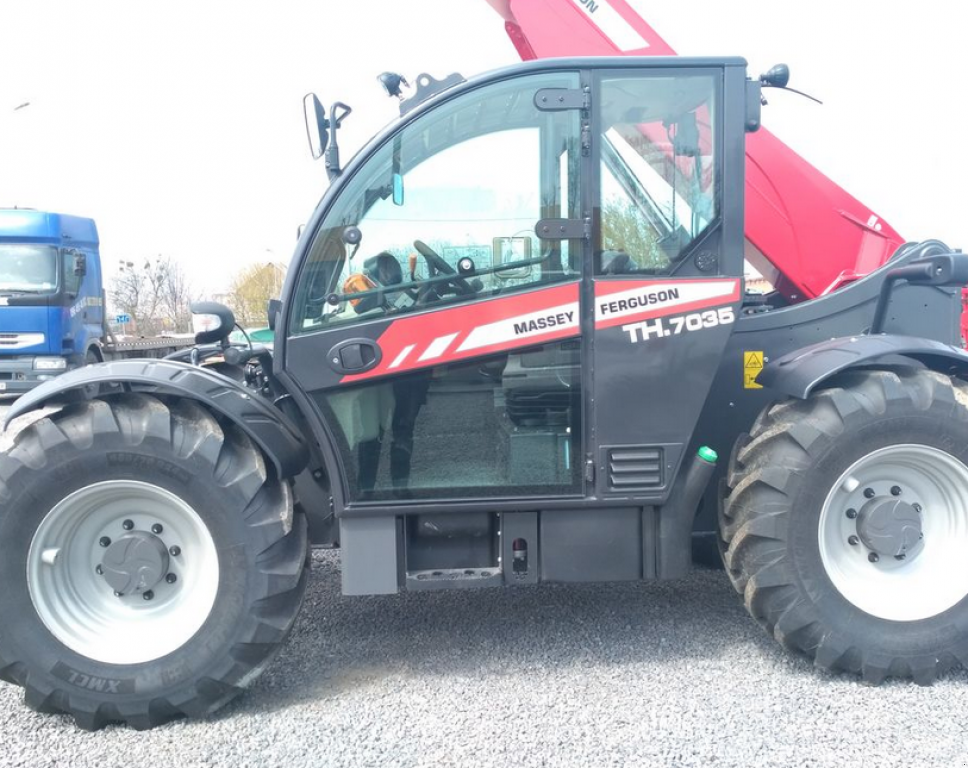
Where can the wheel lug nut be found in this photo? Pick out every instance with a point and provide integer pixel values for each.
(868, 493)
(127, 525)
(98, 570)
(853, 541)
(895, 490)
(873, 557)
(105, 541)
(917, 508)
(149, 595)
(900, 556)
(174, 551)
(171, 578)
(156, 528)
(118, 594)
(851, 513)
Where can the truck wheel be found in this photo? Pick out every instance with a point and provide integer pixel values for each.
(151, 563)
(846, 524)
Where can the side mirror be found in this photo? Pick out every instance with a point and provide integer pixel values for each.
(274, 308)
(212, 321)
(80, 264)
(317, 126)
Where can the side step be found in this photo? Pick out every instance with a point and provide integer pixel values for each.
(455, 578)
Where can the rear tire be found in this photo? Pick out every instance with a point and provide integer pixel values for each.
(800, 526)
(167, 486)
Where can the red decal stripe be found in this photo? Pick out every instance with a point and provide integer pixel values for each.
(444, 335)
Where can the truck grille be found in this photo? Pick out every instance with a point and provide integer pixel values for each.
(635, 467)
(20, 340)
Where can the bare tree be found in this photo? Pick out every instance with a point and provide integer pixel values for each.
(156, 293)
(176, 296)
(251, 290)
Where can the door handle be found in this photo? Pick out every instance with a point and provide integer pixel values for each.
(354, 356)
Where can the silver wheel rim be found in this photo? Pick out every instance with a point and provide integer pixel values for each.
(933, 577)
(81, 609)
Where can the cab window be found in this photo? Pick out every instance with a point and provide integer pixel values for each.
(72, 280)
(445, 211)
(659, 170)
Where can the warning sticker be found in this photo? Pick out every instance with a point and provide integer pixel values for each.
(752, 365)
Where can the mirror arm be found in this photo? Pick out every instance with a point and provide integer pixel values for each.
(337, 113)
(332, 158)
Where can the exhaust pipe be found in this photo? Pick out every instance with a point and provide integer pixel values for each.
(678, 514)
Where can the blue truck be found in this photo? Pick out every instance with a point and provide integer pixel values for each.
(52, 308)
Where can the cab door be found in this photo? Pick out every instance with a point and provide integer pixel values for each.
(434, 322)
(668, 260)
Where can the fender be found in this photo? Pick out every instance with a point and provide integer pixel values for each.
(269, 428)
(798, 373)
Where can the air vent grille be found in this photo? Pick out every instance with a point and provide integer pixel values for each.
(635, 468)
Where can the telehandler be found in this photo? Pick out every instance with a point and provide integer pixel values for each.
(512, 345)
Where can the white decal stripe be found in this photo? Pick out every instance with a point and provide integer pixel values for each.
(657, 296)
(563, 317)
(437, 347)
(402, 356)
(610, 21)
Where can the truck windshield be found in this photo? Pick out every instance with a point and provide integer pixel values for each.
(27, 268)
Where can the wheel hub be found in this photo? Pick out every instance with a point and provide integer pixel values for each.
(889, 526)
(135, 563)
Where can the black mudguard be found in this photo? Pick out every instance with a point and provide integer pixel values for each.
(798, 373)
(269, 428)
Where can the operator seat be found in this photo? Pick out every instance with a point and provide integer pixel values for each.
(380, 270)
(383, 269)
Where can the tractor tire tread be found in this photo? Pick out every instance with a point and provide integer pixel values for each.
(762, 471)
(280, 570)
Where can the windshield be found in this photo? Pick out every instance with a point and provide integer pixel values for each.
(446, 210)
(27, 268)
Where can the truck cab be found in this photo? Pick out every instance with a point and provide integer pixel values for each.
(51, 305)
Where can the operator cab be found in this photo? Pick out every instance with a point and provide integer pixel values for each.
(491, 300)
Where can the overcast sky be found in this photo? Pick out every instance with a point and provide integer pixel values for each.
(178, 126)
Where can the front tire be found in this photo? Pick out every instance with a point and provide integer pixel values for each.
(846, 524)
(153, 562)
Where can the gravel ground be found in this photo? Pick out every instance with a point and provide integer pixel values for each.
(629, 674)
(625, 674)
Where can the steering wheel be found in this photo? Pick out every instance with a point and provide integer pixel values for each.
(437, 266)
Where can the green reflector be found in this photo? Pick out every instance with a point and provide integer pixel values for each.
(708, 454)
